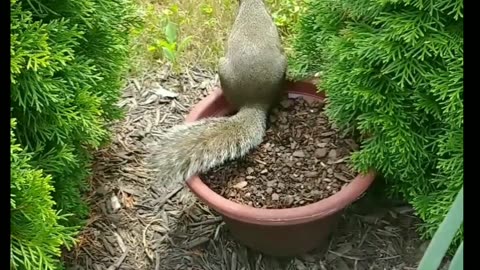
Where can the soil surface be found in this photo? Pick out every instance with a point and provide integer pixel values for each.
(138, 223)
(302, 160)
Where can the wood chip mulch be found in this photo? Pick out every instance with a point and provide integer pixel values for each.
(138, 223)
(302, 160)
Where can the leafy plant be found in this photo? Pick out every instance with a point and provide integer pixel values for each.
(443, 237)
(205, 25)
(36, 234)
(68, 59)
(170, 45)
(286, 13)
(393, 74)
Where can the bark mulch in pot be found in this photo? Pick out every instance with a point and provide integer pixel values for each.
(302, 160)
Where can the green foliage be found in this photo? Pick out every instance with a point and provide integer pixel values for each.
(67, 63)
(170, 46)
(202, 29)
(285, 14)
(393, 72)
(161, 37)
(442, 239)
(36, 234)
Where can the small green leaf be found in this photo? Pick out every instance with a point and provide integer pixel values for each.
(174, 8)
(207, 9)
(169, 54)
(163, 44)
(171, 32)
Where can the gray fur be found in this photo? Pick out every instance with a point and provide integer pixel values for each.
(252, 76)
(196, 147)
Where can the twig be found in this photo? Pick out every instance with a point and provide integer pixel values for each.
(260, 161)
(157, 117)
(108, 246)
(206, 222)
(88, 253)
(137, 85)
(163, 118)
(157, 260)
(390, 257)
(259, 260)
(217, 231)
(346, 256)
(119, 261)
(341, 160)
(197, 242)
(144, 238)
(166, 198)
(233, 265)
(364, 237)
(121, 244)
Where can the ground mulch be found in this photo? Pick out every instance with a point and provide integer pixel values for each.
(138, 223)
(302, 160)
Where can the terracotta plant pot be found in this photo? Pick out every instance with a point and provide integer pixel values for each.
(277, 232)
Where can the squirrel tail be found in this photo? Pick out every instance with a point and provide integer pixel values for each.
(197, 147)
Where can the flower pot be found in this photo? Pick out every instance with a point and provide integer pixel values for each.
(277, 232)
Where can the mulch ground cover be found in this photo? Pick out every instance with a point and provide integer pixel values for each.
(138, 223)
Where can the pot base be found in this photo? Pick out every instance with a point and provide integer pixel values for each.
(294, 241)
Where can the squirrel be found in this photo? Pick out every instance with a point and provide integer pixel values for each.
(252, 76)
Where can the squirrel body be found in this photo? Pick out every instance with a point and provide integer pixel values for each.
(254, 67)
(252, 76)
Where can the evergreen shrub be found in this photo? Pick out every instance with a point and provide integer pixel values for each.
(393, 74)
(68, 60)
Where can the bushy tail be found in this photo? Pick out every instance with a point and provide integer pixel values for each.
(197, 147)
